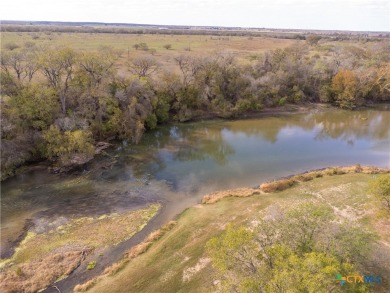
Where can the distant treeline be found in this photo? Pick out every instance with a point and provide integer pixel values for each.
(121, 29)
(57, 103)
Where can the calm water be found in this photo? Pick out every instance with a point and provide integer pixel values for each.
(177, 164)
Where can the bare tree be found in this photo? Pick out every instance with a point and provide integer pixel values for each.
(22, 63)
(143, 66)
(189, 67)
(97, 65)
(58, 67)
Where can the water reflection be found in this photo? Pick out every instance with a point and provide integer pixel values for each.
(179, 163)
(199, 157)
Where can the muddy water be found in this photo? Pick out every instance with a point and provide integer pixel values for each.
(177, 164)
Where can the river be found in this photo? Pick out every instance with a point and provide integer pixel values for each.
(177, 164)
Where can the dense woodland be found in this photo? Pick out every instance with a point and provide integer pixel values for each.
(57, 103)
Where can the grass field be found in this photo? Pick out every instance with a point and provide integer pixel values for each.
(123, 42)
(243, 48)
(178, 261)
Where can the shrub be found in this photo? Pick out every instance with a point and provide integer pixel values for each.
(70, 147)
(151, 121)
(11, 46)
(380, 188)
(282, 101)
(278, 185)
(91, 265)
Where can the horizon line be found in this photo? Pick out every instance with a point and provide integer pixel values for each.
(187, 25)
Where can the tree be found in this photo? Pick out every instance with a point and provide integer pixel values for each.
(143, 66)
(380, 188)
(97, 65)
(58, 67)
(345, 89)
(286, 252)
(34, 107)
(313, 39)
(22, 63)
(137, 102)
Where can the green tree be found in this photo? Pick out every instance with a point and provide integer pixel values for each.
(34, 107)
(69, 147)
(287, 253)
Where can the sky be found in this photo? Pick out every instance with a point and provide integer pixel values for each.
(357, 15)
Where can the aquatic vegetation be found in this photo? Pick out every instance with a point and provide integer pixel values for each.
(91, 265)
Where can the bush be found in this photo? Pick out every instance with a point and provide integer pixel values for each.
(91, 265)
(11, 46)
(282, 101)
(151, 121)
(70, 147)
(380, 188)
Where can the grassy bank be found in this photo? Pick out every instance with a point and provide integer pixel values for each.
(42, 259)
(178, 262)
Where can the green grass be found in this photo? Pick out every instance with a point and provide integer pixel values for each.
(182, 250)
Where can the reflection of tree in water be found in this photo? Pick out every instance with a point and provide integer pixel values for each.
(203, 143)
(189, 142)
(335, 124)
(349, 126)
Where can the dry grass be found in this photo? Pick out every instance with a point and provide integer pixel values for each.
(282, 184)
(285, 183)
(86, 286)
(39, 274)
(277, 185)
(201, 46)
(240, 192)
(130, 254)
